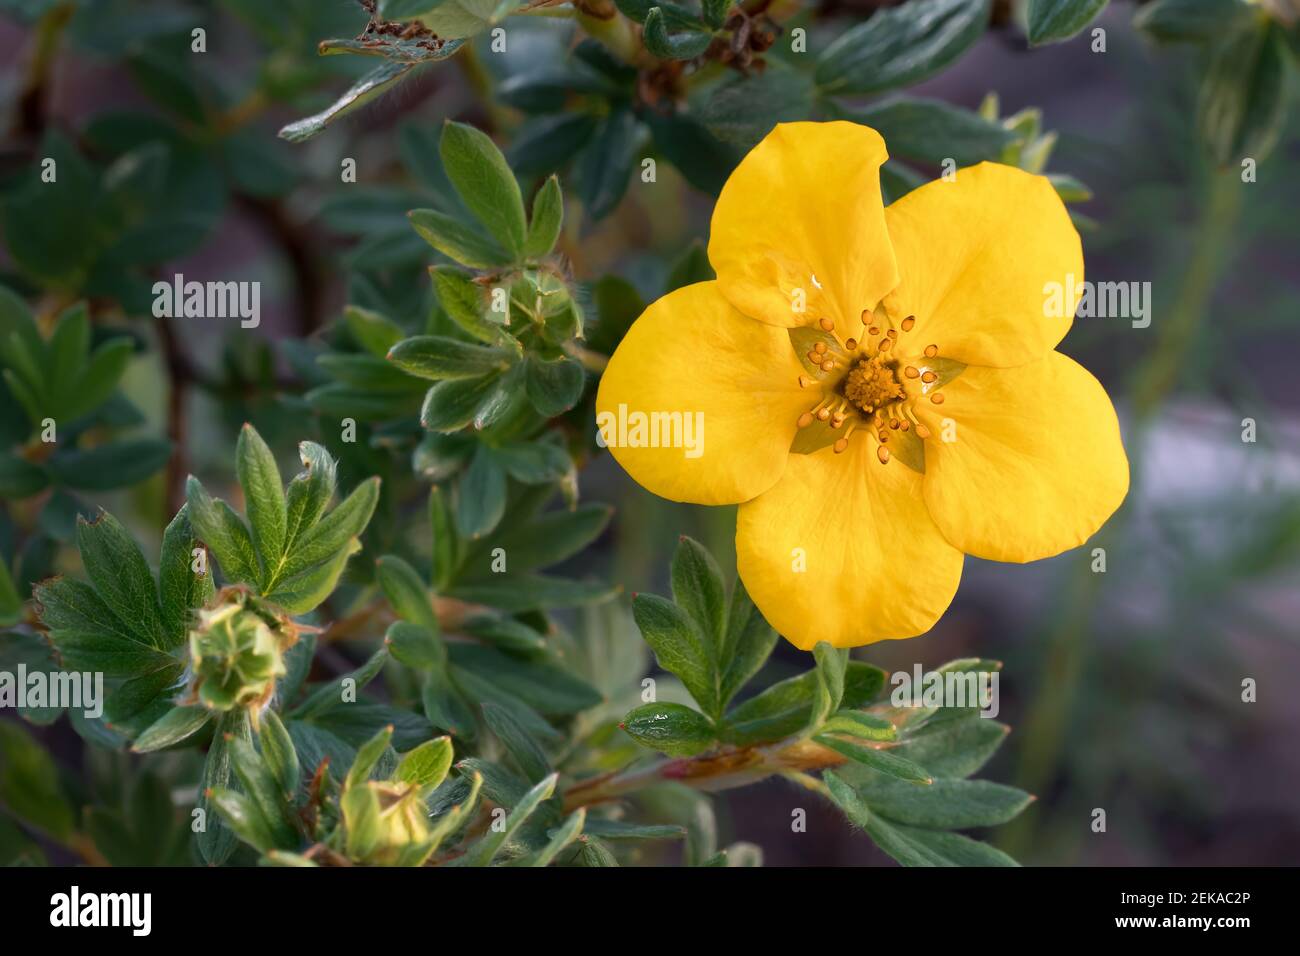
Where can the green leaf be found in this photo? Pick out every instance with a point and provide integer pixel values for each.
(110, 466)
(1243, 94)
(304, 591)
(856, 723)
(679, 648)
(480, 495)
(485, 850)
(548, 689)
(426, 766)
(666, 46)
(98, 379)
(747, 644)
(715, 12)
(309, 493)
(484, 181)
(673, 729)
(259, 476)
(604, 167)
(553, 387)
(327, 538)
(786, 707)
(911, 846)
(29, 784)
(1191, 20)
(329, 695)
(121, 576)
(457, 241)
(454, 404)
(415, 646)
(548, 217)
(20, 478)
(406, 592)
(264, 790)
(831, 663)
(944, 805)
(367, 758)
(463, 299)
(438, 357)
(932, 131)
(280, 755)
(177, 725)
(89, 636)
(560, 838)
(698, 588)
(224, 533)
(520, 744)
(539, 543)
(180, 588)
(880, 760)
(899, 46)
(216, 840)
(1051, 21)
(446, 541)
(954, 748)
(366, 89)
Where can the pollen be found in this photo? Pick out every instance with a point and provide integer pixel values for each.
(871, 384)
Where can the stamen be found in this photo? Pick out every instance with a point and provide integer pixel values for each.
(840, 445)
(908, 323)
(819, 348)
(823, 414)
(851, 344)
(874, 330)
(805, 420)
(883, 454)
(827, 324)
(929, 377)
(922, 432)
(886, 343)
(931, 351)
(937, 398)
(910, 372)
(827, 365)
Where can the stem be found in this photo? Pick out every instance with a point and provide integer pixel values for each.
(30, 113)
(722, 771)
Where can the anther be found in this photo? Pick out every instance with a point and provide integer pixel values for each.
(937, 398)
(826, 324)
(922, 431)
(827, 365)
(840, 445)
(805, 420)
(823, 414)
(885, 344)
(819, 348)
(804, 381)
(931, 351)
(850, 344)
(892, 333)
(883, 454)
(874, 330)
(908, 323)
(893, 423)
(929, 377)
(911, 372)
(905, 425)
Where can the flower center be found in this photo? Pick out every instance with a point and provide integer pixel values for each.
(873, 394)
(872, 384)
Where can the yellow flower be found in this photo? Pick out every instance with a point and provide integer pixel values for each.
(878, 387)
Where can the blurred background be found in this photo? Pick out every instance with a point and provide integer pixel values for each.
(1124, 688)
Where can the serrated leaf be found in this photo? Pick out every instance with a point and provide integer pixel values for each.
(680, 46)
(117, 568)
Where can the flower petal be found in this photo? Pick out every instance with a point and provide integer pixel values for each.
(1035, 465)
(803, 212)
(977, 257)
(734, 384)
(876, 568)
